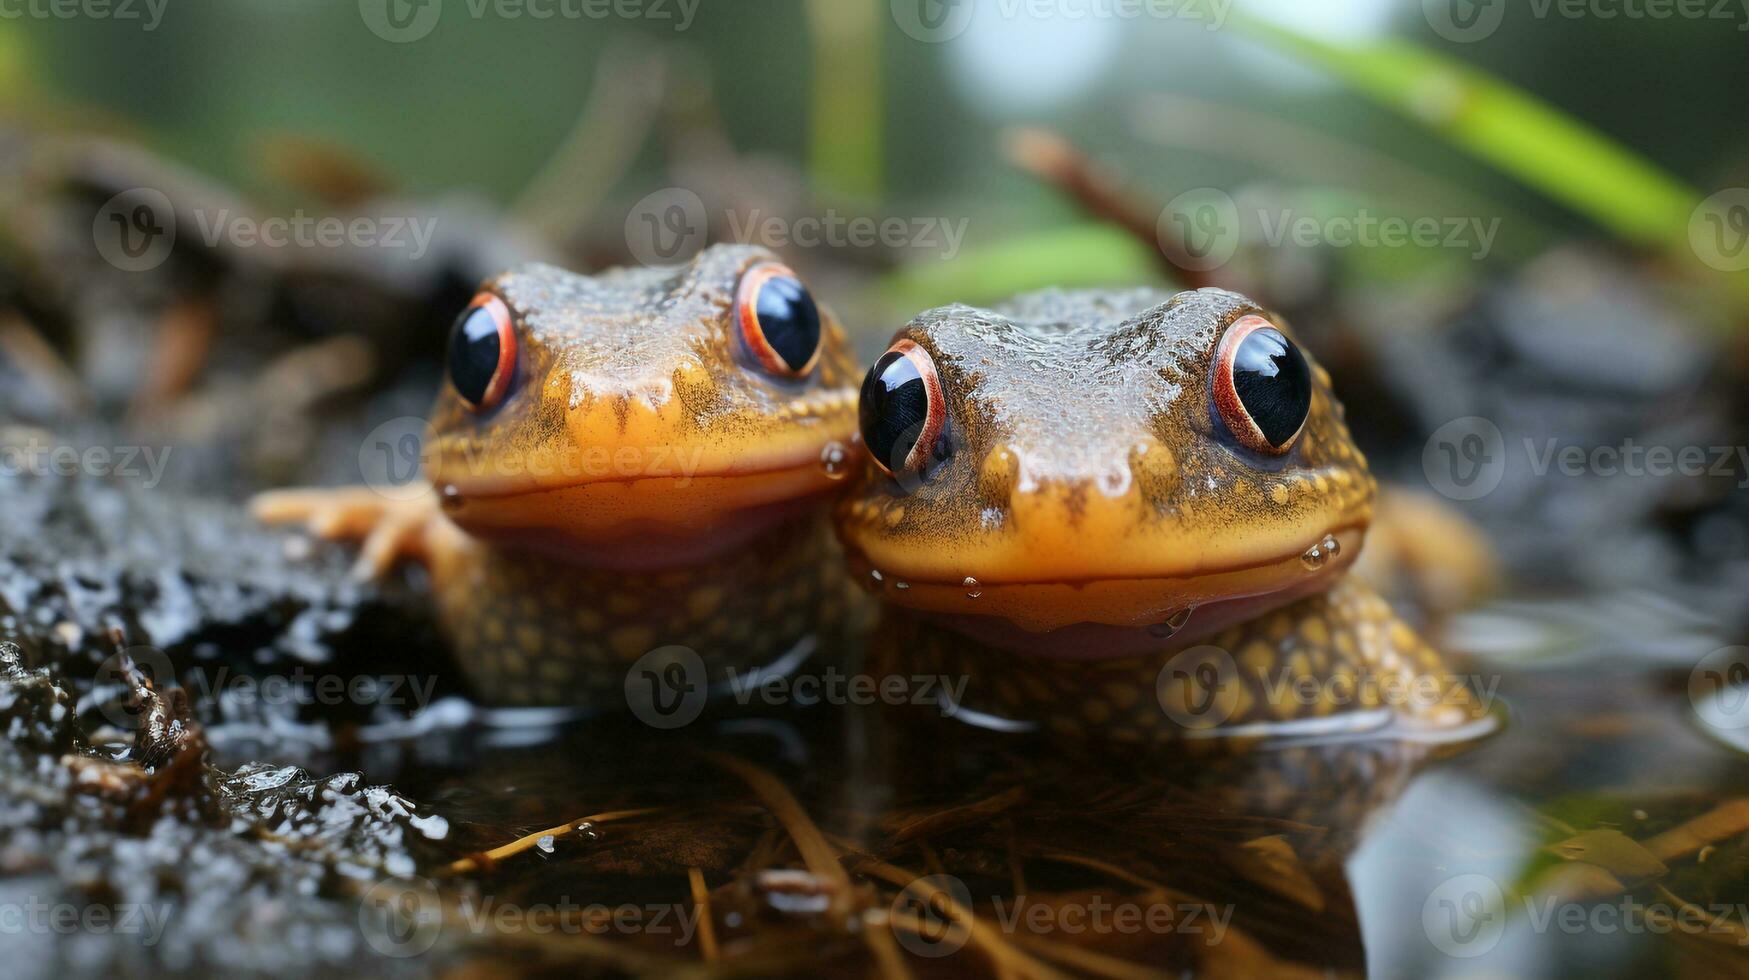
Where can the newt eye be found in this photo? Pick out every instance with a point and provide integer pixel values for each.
(902, 411)
(482, 352)
(1262, 386)
(779, 323)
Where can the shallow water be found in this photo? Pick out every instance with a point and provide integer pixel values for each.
(1600, 830)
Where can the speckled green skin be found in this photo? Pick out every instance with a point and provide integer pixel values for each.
(1335, 662)
(535, 630)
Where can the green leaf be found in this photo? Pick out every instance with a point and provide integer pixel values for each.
(1074, 256)
(1511, 129)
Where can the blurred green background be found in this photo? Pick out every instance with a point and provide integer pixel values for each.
(867, 117)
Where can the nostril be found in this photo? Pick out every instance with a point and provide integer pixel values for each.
(998, 475)
(1154, 469)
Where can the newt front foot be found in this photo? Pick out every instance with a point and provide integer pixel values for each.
(389, 530)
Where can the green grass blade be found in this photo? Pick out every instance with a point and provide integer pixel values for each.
(1523, 136)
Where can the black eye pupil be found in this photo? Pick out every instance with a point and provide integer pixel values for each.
(789, 320)
(473, 353)
(1274, 384)
(892, 409)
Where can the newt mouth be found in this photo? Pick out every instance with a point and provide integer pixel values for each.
(1104, 618)
(642, 522)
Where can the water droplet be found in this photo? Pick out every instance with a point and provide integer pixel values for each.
(1332, 547)
(1314, 557)
(1172, 624)
(901, 585)
(972, 590)
(835, 460)
(875, 574)
(450, 497)
(545, 844)
(587, 831)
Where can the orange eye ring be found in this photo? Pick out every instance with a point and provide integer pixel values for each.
(482, 352)
(902, 399)
(778, 321)
(1261, 386)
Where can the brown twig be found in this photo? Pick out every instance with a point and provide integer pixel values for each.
(701, 899)
(1101, 193)
(486, 859)
(820, 856)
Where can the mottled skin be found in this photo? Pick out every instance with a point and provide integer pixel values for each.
(640, 486)
(1091, 498)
